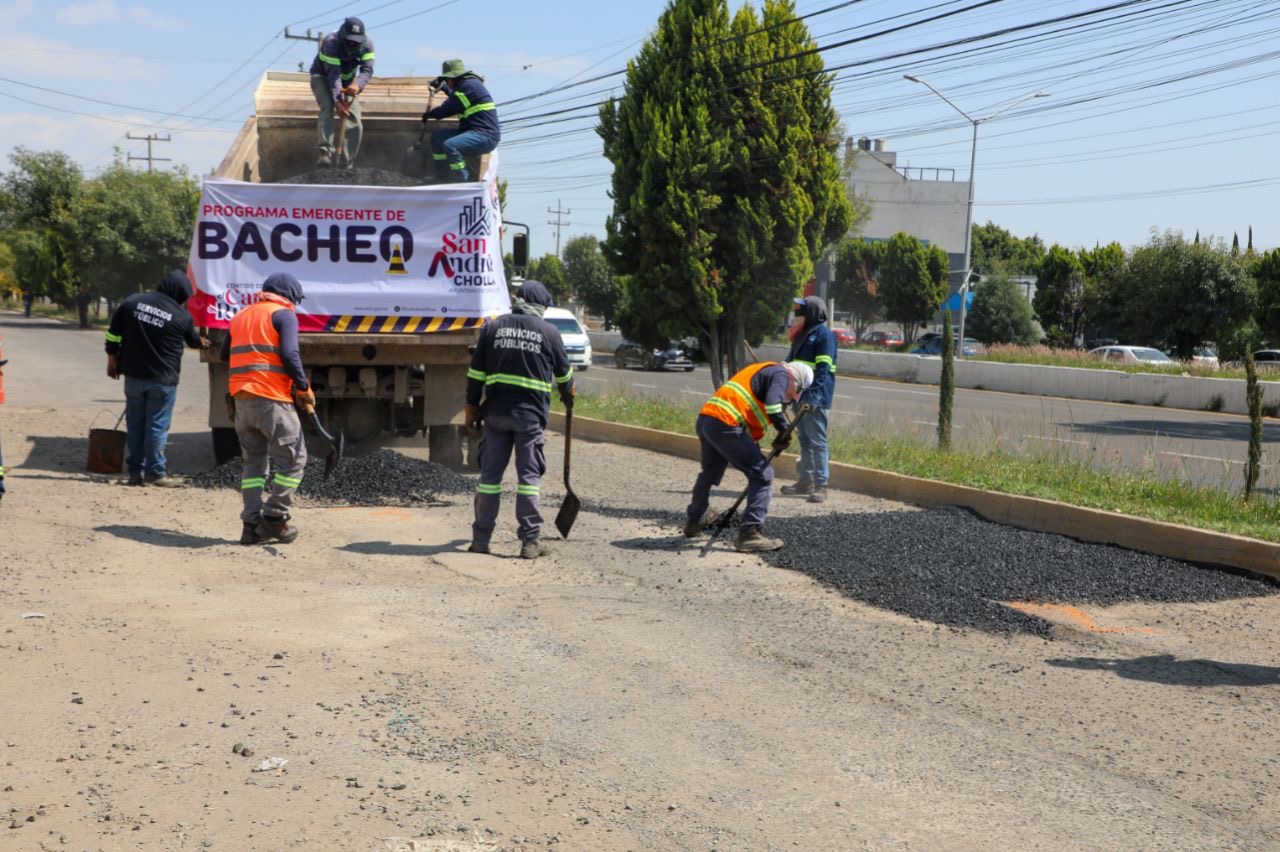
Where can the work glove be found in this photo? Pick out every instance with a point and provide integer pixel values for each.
(472, 420)
(781, 442)
(306, 399)
(567, 395)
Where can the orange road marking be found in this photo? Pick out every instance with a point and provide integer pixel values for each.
(1072, 615)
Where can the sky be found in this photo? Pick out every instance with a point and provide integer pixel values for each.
(1156, 114)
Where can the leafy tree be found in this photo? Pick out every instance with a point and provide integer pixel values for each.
(856, 287)
(1001, 314)
(727, 182)
(590, 276)
(36, 198)
(913, 282)
(1266, 272)
(1103, 269)
(1060, 296)
(1180, 294)
(131, 227)
(550, 271)
(995, 250)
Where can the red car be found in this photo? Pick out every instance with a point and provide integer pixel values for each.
(844, 337)
(883, 338)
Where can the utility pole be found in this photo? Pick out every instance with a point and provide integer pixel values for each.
(149, 138)
(307, 36)
(558, 223)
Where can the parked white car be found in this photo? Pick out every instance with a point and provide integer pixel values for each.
(576, 343)
(1130, 355)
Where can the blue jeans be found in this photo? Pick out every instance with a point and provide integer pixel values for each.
(449, 149)
(813, 446)
(148, 409)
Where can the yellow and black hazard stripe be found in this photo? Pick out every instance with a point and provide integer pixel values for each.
(398, 324)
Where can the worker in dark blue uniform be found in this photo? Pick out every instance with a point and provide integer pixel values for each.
(478, 130)
(518, 360)
(814, 345)
(342, 68)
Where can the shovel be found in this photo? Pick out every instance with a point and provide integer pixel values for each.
(414, 161)
(569, 508)
(340, 156)
(336, 445)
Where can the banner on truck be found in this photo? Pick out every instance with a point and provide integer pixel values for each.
(373, 254)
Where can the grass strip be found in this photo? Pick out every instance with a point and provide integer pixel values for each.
(1037, 474)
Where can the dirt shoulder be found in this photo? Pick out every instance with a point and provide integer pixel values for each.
(621, 693)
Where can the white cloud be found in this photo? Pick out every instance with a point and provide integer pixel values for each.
(89, 14)
(17, 11)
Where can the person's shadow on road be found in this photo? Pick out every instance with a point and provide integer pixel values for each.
(163, 538)
(386, 548)
(1163, 668)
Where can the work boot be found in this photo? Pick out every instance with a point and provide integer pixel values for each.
(163, 481)
(532, 548)
(135, 479)
(276, 528)
(249, 535)
(752, 540)
(818, 494)
(325, 160)
(803, 486)
(478, 546)
(694, 527)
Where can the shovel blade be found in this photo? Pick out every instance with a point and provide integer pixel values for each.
(334, 455)
(568, 513)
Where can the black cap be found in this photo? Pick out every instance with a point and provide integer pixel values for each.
(284, 284)
(352, 30)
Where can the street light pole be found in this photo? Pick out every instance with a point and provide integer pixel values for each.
(973, 164)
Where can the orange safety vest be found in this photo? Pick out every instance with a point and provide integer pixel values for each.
(736, 405)
(256, 365)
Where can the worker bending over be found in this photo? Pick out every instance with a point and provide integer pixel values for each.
(342, 68)
(729, 426)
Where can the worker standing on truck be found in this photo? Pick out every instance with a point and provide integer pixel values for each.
(478, 130)
(518, 360)
(266, 377)
(728, 427)
(144, 344)
(814, 345)
(340, 71)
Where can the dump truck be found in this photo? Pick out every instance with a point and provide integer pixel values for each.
(398, 278)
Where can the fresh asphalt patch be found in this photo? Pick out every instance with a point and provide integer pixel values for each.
(951, 567)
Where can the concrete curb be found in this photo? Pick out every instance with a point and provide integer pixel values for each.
(1093, 525)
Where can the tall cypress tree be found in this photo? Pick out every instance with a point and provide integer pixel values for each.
(726, 184)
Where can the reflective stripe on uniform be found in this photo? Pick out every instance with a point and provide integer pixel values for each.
(113, 338)
(286, 481)
(254, 347)
(253, 482)
(458, 166)
(518, 381)
(527, 490)
(439, 157)
(473, 373)
(330, 60)
(776, 408)
(469, 109)
(721, 404)
(828, 360)
(257, 368)
(747, 397)
(489, 488)
(566, 377)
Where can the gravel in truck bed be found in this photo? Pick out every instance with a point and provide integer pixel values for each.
(381, 478)
(354, 177)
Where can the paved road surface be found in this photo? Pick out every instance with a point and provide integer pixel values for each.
(1201, 447)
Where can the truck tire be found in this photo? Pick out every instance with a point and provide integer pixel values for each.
(226, 446)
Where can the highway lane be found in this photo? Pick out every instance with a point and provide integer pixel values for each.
(1205, 448)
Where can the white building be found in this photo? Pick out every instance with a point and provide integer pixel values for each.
(927, 203)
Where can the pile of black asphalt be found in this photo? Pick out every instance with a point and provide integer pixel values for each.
(380, 478)
(354, 177)
(951, 567)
